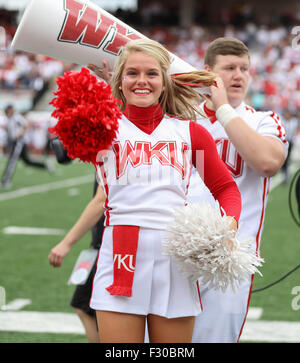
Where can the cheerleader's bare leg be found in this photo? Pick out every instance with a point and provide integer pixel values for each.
(117, 327)
(176, 330)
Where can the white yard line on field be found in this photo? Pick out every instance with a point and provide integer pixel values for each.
(42, 188)
(37, 322)
(16, 304)
(33, 231)
(271, 331)
(68, 323)
(254, 313)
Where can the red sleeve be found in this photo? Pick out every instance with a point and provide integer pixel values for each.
(213, 171)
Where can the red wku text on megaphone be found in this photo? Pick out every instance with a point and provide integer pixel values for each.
(78, 32)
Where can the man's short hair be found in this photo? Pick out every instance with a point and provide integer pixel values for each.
(224, 46)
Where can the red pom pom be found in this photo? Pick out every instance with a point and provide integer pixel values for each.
(87, 115)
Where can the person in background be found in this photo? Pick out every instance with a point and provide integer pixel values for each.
(253, 146)
(3, 134)
(17, 125)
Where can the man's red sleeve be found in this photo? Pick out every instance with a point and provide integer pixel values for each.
(213, 171)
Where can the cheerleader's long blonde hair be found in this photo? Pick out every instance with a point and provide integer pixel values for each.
(180, 97)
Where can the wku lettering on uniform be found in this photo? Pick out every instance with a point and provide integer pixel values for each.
(231, 158)
(89, 27)
(166, 152)
(121, 262)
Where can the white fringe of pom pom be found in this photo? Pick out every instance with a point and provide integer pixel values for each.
(197, 241)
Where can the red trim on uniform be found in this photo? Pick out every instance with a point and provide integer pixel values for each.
(211, 114)
(265, 193)
(248, 302)
(199, 295)
(278, 126)
(280, 129)
(262, 214)
(248, 108)
(106, 204)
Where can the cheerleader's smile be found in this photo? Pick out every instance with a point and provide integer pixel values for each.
(142, 82)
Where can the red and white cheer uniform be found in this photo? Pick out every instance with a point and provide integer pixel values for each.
(146, 176)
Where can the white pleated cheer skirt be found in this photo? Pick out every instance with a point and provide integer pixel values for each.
(158, 287)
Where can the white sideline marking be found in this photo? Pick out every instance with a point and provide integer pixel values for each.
(17, 304)
(2, 296)
(33, 231)
(37, 322)
(46, 187)
(275, 181)
(254, 313)
(271, 331)
(73, 192)
(67, 323)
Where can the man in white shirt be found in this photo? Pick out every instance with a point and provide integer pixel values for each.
(253, 146)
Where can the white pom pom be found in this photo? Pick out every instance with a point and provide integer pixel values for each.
(197, 241)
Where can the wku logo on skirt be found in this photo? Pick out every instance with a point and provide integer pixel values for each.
(121, 261)
(125, 242)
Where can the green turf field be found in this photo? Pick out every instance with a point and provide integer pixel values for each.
(24, 268)
(26, 274)
(281, 250)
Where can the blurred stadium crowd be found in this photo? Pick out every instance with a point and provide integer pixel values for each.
(275, 68)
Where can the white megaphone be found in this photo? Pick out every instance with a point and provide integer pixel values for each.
(77, 31)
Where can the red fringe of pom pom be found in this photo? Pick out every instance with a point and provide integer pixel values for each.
(87, 115)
